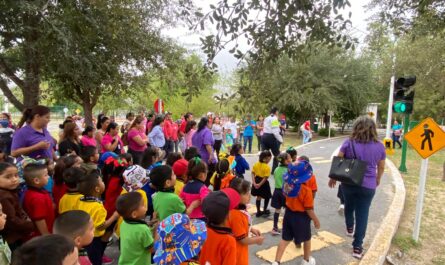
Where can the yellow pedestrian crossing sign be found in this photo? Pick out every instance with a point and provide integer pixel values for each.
(426, 138)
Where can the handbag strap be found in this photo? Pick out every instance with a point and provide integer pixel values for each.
(353, 149)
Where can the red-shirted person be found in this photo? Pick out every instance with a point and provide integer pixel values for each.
(168, 133)
(37, 202)
(220, 245)
(175, 136)
(187, 117)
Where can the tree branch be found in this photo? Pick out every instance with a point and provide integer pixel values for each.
(7, 92)
(10, 74)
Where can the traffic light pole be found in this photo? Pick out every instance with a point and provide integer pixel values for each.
(402, 167)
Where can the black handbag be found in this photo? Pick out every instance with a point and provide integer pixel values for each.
(348, 171)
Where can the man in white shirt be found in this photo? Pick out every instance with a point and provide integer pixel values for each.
(272, 139)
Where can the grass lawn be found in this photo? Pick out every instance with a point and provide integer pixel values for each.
(431, 247)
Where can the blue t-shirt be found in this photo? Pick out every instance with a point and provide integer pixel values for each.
(248, 131)
(241, 165)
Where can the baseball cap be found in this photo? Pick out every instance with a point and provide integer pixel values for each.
(297, 173)
(135, 177)
(180, 167)
(217, 204)
(180, 239)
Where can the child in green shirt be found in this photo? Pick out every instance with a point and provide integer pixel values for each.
(278, 199)
(136, 239)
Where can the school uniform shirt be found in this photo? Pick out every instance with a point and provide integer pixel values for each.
(18, 225)
(219, 247)
(38, 204)
(272, 126)
(135, 241)
(239, 223)
(120, 219)
(304, 201)
(69, 202)
(94, 207)
(241, 165)
(179, 185)
(192, 191)
(166, 204)
(278, 176)
(261, 169)
(312, 183)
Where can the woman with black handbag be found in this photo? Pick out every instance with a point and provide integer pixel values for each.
(362, 149)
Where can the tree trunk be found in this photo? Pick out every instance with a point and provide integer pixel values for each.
(88, 112)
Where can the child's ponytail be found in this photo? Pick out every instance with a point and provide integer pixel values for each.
(222, 169)
(196, 167)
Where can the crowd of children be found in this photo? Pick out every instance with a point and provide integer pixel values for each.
(94, 198)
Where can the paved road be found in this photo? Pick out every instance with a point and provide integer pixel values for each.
(334, 248)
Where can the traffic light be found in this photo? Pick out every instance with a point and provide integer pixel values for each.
(403, 95)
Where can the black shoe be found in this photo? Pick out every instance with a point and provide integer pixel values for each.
(259, 214)
(266, 212)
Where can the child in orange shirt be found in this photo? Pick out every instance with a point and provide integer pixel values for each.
(223, 173)
(299, 212)
(240, 223)
(220, 246)
(312, 182)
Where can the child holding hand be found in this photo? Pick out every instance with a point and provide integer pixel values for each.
(260, 185)
(37, 202)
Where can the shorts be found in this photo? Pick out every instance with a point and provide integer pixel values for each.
(263, 191)
(278, 199)
(296, 227)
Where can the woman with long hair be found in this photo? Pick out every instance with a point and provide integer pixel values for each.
(204, 141)
(156, 135)
(365, 144)
(217, 131)
(70, 143)
(137, 140)
(33, 140)
(111, 142)
(101, 126)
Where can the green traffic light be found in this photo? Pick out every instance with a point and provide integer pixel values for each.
(402, 107)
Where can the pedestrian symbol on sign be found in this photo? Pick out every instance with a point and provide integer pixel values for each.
(427, 134)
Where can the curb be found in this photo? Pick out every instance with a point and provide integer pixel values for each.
(376, 254)
(303, 145)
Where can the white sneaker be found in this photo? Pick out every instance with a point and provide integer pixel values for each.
(341, 210)
(310, 262)
(275, 263)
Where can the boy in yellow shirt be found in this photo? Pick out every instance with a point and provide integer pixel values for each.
(71, 199)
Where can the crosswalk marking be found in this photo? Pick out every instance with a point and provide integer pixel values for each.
(266, 227)
(320, 240)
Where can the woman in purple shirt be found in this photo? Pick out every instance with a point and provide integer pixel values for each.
(204, 141)
(358, 198)
(33, 139)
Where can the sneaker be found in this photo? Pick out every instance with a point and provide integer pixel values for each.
(276, 232)
(310, 262)
(107, 260)
(350, 232)
(275, 263)
(341, 209)
(357, 253)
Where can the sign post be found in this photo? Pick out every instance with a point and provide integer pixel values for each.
(330, 121)
(402, 167)
(159, 106)
(426, 138)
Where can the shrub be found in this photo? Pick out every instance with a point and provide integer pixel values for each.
(325, 132)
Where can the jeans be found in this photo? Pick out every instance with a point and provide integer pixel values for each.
(269, 142)
(396, 139)
(357, 203)
(306, 137)
(168, 147)
(217, 147)
(176, 144)
(248, 140)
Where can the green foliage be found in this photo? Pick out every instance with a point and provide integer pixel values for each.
(278, 27)
(325, 132)
(328, 79)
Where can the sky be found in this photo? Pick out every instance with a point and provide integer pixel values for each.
(227, 63)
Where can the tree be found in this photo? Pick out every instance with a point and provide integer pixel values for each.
(273, 28)
(103, 47)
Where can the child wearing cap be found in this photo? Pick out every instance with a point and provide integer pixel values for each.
(135, 177)
(165, 201)
(278, 199)
(180, 170)
(195, 190)
(312, 182)
(78, 227)
(299, 212)
(241, 224)
(220, 246)
(180, 240)
(260, 185)
(136, 240)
